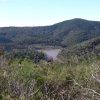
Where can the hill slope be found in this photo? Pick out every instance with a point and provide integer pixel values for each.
(66, 33)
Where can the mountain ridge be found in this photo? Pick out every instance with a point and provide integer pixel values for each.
(65, 33)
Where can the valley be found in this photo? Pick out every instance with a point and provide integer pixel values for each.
(56, 62)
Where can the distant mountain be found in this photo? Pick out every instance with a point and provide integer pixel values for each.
(66, 33)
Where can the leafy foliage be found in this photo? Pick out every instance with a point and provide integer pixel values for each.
(48, 81)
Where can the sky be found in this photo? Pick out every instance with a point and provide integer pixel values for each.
(46, 12)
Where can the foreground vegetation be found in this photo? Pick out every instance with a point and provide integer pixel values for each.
(49, 80)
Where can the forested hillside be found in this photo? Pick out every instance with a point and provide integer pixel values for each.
(66, 33)
(85, 51)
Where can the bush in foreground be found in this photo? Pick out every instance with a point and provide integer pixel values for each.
(49, 81)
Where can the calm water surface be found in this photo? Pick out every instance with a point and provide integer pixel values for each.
(51, 52)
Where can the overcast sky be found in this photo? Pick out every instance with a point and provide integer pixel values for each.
(46, 12)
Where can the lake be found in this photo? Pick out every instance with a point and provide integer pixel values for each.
(51, 52)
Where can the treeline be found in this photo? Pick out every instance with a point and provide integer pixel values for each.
(31, 55)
